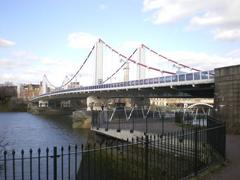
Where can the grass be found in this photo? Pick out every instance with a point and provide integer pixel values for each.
(123, 163)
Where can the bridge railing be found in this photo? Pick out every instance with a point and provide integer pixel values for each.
(195, 76)
(148, 119)
(157, 80)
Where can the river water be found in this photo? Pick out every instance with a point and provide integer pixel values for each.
(25, 131)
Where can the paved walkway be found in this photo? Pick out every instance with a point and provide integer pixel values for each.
(232, 169)
(139, 129)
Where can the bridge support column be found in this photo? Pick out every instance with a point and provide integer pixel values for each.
(99, 63)
(227, 97)
(126, 72)
(141, 59)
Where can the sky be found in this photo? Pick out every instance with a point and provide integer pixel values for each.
(53, 37)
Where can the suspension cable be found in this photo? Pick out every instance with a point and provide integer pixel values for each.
(133, 61)
(175, 62)
(121, 66)
(45, 76)
(89, 54)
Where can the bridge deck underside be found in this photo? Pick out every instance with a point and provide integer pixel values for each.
(186, 91)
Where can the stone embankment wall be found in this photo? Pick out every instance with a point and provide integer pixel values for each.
(227, 96)
(82, 119)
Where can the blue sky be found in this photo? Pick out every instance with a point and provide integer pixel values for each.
(54, 36)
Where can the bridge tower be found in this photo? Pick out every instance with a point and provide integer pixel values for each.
(99, 62)
(43, 85)
(141, 59)
(126, 72)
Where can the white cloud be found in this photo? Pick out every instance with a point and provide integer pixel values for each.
(227, 34)
(81, 40)
(26, 67)
(221, 15)
(25, 55)
(6, 43)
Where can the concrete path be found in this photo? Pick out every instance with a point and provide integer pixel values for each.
(153, 128)
(232, 169)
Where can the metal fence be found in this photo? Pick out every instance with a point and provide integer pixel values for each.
(174, 155)
(146, 120)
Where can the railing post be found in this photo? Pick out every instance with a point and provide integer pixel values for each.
(224, 139)
(106, 120)
(119, 127)
(99, 119)
(5, 165)
(55, 163)
(146, 156)
(195, 151)
(146, 127)
(162, 117)
(93, 120)
(131, 131)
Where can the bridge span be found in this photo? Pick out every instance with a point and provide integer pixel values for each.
(169, 79)
(197, 84)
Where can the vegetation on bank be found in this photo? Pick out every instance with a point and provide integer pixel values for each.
(130, 163)
(9, 101)
(12, 104)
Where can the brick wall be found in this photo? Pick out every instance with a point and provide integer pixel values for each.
(227, 96)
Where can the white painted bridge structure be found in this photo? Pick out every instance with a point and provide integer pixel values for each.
(184, 76)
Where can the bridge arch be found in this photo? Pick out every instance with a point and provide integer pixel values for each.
(199, 104)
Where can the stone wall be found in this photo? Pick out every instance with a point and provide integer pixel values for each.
(227, 96)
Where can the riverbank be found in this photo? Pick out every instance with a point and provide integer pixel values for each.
(13, 105)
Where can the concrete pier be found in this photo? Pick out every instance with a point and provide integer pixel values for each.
(227, 97)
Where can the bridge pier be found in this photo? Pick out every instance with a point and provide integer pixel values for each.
(227, 97)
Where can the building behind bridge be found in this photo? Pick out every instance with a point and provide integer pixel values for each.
(28, 91)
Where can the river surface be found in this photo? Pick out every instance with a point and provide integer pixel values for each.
(25, 131)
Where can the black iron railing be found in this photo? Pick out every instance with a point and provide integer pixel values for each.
(143, 120)
(146, 120)
(173, 155)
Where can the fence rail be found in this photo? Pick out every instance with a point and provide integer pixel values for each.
(172, 155)
(147, 120)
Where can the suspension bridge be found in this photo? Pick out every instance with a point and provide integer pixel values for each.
(144, 74)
